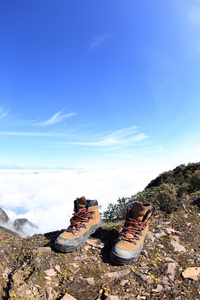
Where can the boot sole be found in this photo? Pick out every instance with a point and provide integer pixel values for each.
(123, 260)
(67, 249)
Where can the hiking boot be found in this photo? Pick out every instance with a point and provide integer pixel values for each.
(131, 239)
(85, 221)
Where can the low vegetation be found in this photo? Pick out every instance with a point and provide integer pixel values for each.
(167, 192)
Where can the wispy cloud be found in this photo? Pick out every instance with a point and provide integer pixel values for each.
(99, 39)
(109, 140)
(118, 138)
(34, 134)
(3, 113)
(58, 117)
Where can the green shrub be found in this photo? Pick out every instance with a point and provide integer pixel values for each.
(166, 197)
(194, 181)
(116, 211)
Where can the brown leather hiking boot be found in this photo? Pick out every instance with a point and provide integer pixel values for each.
(85, 221)
(131, 239)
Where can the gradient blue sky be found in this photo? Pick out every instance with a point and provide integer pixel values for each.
(99, 83)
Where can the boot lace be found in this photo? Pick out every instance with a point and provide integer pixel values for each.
(83, 215)
(134, 228)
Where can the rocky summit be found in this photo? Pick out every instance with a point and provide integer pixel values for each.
(167, 268)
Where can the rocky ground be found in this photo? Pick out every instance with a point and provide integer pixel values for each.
(168, 267)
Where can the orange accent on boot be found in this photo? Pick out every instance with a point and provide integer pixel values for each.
(134, 230)
(81, 220)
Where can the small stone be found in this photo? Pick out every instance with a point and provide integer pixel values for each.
(89, 281)
(86, 247)
(159, 234)
(171, 230)
(112, 297)
(50, 272)
(158, 289)
(49, 293)
(190, 261)
(192, 273)
(94, 243)
(57, 268)
(68, 297)
(145, 253)
(168, 259)
(176, 245)
(116, 275)
(144, 277)
(47, 278)
(74, 265)
(124, 282)
(171, 267)
(41, 249)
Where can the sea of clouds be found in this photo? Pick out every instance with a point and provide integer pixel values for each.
(46, 197)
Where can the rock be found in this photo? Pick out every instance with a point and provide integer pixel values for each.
(168, 259)
(89, 281)
(49, 293)
(68, 297)
(113, 297)
(50, 272)
(159, 234)
(190, 261)
(57, 268)
(171, 230)
(124, 282)
(41, 249)
(3, 216)
(158, 289)
(171, 267)
(192, 273)
(144, 277)
(94, 243)
(145, 253)
(176, 245)
(116, 275)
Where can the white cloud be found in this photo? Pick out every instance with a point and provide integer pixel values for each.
(46, 198)
(99, 39)
(113, 140)
(58, 117)
(33, 134)
(122, 137)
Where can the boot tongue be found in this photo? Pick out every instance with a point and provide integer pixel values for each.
(80, 203)
(139, 211)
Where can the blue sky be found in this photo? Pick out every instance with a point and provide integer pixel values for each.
(99, 83)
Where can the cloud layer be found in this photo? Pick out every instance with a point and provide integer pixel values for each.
(46, 198)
